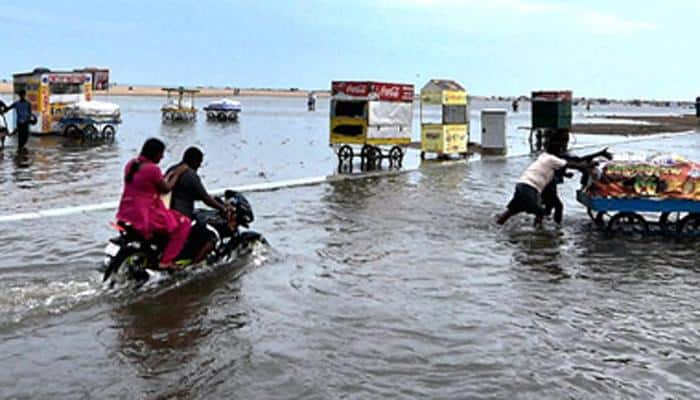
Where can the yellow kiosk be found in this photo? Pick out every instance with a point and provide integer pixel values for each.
(444, 118)
(51, 93)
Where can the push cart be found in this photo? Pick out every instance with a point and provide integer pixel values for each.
(372, 121)
(444, 119)
(658, 195)
(223, 110)
(644, 216)
(91, 120)
(176, 107)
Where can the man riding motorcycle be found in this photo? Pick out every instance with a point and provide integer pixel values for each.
(187, 190)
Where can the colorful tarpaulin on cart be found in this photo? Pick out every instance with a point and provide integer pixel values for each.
(661, 177)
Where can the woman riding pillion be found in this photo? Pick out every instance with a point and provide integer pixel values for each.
(141, 205)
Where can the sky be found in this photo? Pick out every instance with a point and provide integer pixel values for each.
(615, 49)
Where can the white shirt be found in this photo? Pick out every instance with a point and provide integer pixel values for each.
(540, 172)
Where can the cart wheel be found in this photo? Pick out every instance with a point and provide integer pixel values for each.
(108, 132)
(373, 157)
(670, 222)
(71, 131)
(600, 218)
(396, 157)
(222, 116)
(628, 223)
(422, 155)
(364, 156)
(211, 115)
(232, 116)
(378, 157)
(689, 225)
(167, 116)
(345, 168)
(90, 132)
(345, 155)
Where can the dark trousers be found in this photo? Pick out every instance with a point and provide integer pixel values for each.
(526, 199)
(550, 200)
(22, 135)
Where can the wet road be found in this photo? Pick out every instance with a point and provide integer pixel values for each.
(386, 287)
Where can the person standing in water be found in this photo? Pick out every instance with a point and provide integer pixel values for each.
(23, 118)
(311, 101)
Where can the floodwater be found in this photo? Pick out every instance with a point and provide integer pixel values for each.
(397, 286)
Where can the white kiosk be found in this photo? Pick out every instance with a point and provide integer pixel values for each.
(493, 131)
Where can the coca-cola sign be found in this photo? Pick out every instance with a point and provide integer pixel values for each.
(374, 90)
(393, 91)
(359, 89)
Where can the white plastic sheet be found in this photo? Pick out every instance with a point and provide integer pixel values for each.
(99, 108)
(388, 132)
(385, 113)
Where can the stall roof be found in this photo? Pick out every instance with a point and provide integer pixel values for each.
(552, 95)
(38, 71)
(438, 85)
(370, 90)
(179, 89)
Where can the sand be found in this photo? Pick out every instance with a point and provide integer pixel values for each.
(655, 124)
(125, 90)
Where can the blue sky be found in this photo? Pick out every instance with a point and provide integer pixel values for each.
(620, 49)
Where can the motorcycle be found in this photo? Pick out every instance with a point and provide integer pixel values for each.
(132, 255)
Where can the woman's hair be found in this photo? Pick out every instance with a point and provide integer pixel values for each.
(152, 149)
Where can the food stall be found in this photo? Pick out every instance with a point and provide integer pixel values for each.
(50, 93)
(444, 118)
(366, 118)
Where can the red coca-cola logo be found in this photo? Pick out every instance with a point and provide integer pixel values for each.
(357, 89)
(392, 92)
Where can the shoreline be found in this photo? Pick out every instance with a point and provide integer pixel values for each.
(155, 91)
(653, 125)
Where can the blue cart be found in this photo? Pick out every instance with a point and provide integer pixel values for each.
(89, 127)
(643, 216)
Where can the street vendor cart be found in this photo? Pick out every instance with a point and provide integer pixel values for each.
(368, 117)
(176, 107)
(444, 119)
(551, 119)
(644, 197)
(223, 110)
(91, 120)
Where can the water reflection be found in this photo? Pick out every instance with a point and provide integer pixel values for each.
(168, 335)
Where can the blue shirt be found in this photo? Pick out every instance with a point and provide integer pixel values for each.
(23, 111)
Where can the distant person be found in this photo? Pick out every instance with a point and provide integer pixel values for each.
(142, 207)
(528, 190)
(23, 118)
(588, 106)
(515, 105)
(311, 101)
